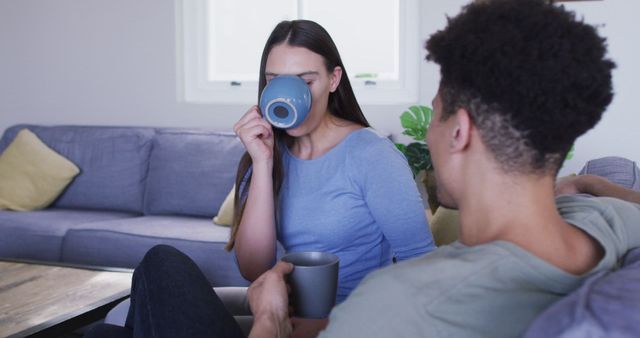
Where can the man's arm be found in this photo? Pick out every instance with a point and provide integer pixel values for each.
(596, 186)
(269, 301)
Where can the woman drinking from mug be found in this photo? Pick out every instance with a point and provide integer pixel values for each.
(330, 184)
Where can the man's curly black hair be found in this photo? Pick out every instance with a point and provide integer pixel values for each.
(531, 75)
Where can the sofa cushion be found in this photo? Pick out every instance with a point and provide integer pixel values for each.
(123, 243)
(445, 225)
(618, 170)
(113, 163)
(31, 174)
(606, 305)
(225, 213)
(191, 172)
(39, 234)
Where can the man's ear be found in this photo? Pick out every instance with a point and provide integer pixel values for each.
(336, 75)
(461, 132)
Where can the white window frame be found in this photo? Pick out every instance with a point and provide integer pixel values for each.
(192, 49)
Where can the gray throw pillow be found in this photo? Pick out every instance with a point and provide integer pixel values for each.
(618, 170)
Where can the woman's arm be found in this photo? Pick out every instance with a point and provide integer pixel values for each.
(395, 203)
(596, 186)
(256, 238)
(255, 242)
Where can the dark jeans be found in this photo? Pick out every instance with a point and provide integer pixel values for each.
(170, 297)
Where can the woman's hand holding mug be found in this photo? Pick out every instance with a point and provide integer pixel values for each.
(256, 134)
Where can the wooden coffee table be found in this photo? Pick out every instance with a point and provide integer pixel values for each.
(43, 300)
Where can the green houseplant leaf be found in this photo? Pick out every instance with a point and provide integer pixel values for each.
(415, 122)
(418, 156)
(571, 152)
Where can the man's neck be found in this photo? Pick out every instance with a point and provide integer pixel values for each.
(497, 207)
(522, 210)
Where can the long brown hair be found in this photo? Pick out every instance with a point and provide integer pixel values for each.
(342, 103)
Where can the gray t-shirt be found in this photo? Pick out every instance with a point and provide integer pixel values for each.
(490, 290)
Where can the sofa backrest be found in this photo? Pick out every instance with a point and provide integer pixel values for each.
(191, 171)
(113, 163)
(145, 170)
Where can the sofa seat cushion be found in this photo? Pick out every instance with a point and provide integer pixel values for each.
(191, 172)
(39, 234)
(113, 163)
(123, 243)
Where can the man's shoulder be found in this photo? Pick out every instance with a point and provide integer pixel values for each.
(440, 269)
(610, 220)
(583, 203)
(410, 288)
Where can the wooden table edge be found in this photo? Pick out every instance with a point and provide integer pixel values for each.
(79, 318)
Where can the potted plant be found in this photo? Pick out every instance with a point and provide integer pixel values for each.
(415, 122)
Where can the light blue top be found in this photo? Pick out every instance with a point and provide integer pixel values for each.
(358, 201)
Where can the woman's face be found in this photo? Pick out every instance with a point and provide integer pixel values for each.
(289, 60)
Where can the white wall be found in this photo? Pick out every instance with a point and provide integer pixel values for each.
(113, 62)
(618, 133)
(94, 62)
(104, 62)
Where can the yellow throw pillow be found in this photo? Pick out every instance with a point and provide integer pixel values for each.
(225, 214)
(444, 225)
(32, 175)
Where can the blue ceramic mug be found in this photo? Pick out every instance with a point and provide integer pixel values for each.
(285, 101)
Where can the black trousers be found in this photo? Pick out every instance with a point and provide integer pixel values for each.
(170, 297)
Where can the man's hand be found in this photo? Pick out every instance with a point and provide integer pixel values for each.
(269, 301)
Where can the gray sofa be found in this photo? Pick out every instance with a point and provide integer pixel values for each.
(137, 187)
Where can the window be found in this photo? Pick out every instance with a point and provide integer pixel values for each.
(221, 42)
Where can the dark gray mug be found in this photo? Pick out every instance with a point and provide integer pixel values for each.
(314, 283)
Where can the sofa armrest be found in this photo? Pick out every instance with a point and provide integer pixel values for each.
(235, 300)
(605, 305)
